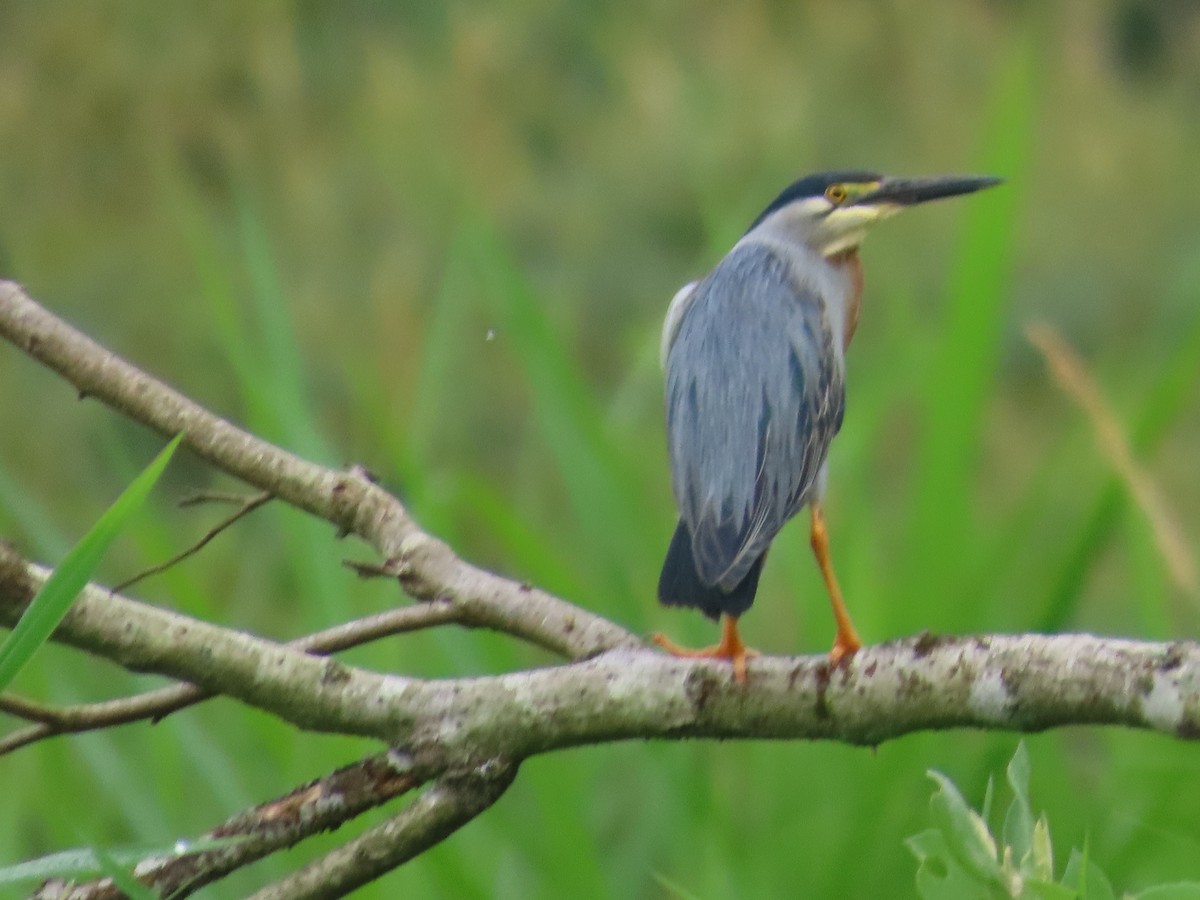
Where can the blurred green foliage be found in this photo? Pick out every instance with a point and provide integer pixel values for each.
(438, 239)
(960, 858)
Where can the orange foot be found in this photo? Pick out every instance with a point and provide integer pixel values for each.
(730, 648)
(844, 648)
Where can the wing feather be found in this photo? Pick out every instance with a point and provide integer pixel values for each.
(679, 305)
(755, 394)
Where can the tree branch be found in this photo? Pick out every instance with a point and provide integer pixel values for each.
(311, 692)
(156, 704)
(427, 567)
(1021, 683)
(439, 812)
(468, 735)
(321, 805)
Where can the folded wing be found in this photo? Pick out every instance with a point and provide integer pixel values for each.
(755, 394)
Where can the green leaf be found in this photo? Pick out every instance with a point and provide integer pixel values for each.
(988, 795)
(966, 833)
(1042, 861)
(1047, 890)
(51, 603)
(1018, 821)
(940, 876)
(1086, 878)
(1180, 890)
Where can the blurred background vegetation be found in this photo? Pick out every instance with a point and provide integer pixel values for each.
(438, 239)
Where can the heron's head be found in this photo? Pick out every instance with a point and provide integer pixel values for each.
(831, 212)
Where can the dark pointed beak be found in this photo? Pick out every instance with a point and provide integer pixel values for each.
(911, 191)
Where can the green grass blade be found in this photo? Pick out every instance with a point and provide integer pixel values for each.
(965, 362)
(598, 481)
(54, 599)
(1157, 412)
(441, 351)
(535, 554)
(122, 876)
(278, 390)
(20, 509)
(86, 862)
(68, 864)
(673, 888)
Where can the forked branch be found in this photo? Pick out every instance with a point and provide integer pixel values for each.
(465, 737)
(427, 568)
(310, 809)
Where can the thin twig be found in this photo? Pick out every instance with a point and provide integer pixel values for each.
(201, 497)
(441, 810)
(321, 805)
(152, 705)
(249, 505)
(29, 710)
(367, 570)
(381, 625)
(156, 705)
(350, 500)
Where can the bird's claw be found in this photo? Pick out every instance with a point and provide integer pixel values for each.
(843, 651)
(730, 648)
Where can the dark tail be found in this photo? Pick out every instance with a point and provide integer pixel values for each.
(679, 585)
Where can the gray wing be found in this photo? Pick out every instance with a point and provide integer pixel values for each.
(755, 394)
(679, 305)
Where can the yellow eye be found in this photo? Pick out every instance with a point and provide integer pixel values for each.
(835, 193)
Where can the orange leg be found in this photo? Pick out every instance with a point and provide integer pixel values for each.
(730, 648)
(846, 643)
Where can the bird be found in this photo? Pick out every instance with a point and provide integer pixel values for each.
(754, 355)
